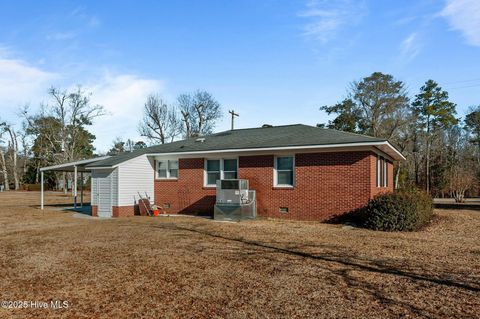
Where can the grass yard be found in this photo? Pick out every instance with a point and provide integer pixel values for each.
(144, 267)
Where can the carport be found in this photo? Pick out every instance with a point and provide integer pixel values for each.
(72, 167)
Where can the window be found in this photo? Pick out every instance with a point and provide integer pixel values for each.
(162, 169)
(382, 172)
(213, 171)
(216, 169)
(173, 169)
(167, 169)
(229, 169)
(284, 167)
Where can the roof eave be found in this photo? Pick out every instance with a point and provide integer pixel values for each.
(68, 167)
(391, 150)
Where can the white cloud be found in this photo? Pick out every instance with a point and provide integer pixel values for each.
(21, 83)
(327, 18)
(464, 16)
(123, 96)
(410, 47)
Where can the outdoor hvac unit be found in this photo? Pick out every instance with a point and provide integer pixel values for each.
(234, 200)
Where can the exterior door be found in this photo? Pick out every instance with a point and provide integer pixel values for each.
(104, 194)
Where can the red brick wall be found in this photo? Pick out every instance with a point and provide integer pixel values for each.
(326, 185)
(186, 195)
(94, 211)
(123, 211)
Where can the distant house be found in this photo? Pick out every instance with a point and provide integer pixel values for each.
(298, 172)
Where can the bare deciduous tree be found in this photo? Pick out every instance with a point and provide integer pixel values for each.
(74, 111)
(60, 125)
(12, 151)
(200, 111)
(460, 181)
(4, 169)
(160, 123)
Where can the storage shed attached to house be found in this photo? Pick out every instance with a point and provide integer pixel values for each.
(116, 190)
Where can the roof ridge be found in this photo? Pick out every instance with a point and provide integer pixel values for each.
(351, 133)
(261, 127)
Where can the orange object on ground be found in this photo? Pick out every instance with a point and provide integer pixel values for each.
(155, 212)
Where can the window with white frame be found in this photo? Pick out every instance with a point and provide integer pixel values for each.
(213, 172)
(229, 169)
(167, 169)
(216, 169)
(284, 170)
(382, 171)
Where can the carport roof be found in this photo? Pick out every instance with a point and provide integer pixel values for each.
(70, 167)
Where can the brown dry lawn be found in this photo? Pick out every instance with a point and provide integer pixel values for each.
(145, 267)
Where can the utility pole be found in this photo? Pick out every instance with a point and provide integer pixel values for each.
(233, 116)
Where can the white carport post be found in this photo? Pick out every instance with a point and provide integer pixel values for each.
(81, 189)
(41, 189)
(75, 186)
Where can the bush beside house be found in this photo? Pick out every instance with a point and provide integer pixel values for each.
(398, 211)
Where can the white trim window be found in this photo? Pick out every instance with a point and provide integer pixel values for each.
(167, 169)
(382, 171)
(284, 171)
(220, 168)
(230, 168)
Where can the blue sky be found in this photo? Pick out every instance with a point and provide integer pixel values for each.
(273, 61)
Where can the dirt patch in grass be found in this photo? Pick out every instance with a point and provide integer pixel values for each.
(143, 267)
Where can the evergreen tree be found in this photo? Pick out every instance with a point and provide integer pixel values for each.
(434, 111)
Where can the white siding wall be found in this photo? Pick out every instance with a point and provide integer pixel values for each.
(134, 176)
(93, 189)
(114, 187)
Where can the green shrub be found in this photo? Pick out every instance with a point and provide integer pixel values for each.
(398, 211)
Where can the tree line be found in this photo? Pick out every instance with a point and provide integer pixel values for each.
(192, 115)
(442, 150)
(60, 132)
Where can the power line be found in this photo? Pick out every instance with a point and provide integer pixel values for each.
(463, 81)
(464, 87)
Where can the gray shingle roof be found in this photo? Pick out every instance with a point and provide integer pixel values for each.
(263, 137)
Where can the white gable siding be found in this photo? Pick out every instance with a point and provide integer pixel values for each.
(135, 176)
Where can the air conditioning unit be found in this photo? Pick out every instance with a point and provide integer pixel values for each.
(232, 191)
(235, 201)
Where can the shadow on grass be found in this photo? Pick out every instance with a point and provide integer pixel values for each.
(374, 267)
(355, 217)
(86, 209)
(457, 206)
(62, 205)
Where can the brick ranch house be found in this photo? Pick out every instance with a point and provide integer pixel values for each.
(298, 172)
